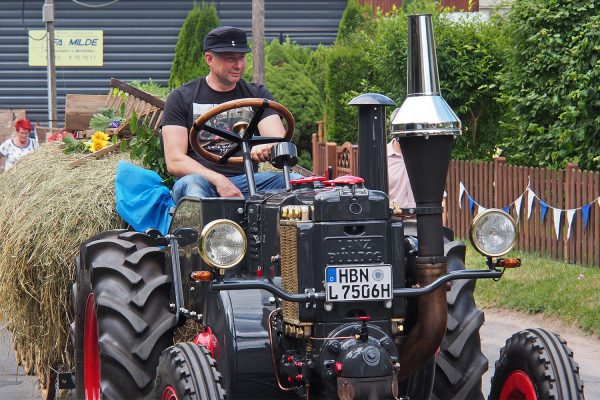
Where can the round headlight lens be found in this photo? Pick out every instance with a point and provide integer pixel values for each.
(222, 244)
(493, 233)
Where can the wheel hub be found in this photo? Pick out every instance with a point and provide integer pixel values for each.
(91, 351)
(169, 393)
(518, 386)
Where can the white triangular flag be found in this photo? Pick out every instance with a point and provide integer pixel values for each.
(518, 202)
(557, 213)
(530, 198)
(480, 209)
(599, 201)
(570, 215)
(461, 191)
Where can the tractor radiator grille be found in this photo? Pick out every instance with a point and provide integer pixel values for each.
(289, 268)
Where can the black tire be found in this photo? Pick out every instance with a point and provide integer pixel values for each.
(124, 278)
(187, 371)
(545, 360)
(460, 363)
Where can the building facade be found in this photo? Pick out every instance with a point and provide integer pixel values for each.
(139, 38)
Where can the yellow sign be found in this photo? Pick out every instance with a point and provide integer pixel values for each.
(72, 48)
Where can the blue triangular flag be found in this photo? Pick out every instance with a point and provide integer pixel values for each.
(544, 208)
(471, 203)
(585, 211)
(506, 209)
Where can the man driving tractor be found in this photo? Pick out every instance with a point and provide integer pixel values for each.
(225, 53)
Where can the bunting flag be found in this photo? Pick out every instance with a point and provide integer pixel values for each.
(570, 215)
(557, 214)
(518, 207)
(544, 208)
(530, 198)
(585, 211)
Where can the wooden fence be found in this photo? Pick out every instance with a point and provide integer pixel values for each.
(498, 185)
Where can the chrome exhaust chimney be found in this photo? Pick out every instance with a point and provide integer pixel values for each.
(425, 126)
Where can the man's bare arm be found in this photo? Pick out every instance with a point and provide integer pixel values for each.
(175, 140)
(269, 126)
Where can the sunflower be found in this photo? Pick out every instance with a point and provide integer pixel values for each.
(100, 140)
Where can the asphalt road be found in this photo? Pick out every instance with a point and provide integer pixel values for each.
(14, 384)
(499, 326)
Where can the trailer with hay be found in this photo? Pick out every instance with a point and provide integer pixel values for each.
(319, 290)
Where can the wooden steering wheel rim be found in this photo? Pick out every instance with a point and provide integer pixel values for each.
(230, 105)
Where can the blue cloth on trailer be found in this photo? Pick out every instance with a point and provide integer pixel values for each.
(142, 199)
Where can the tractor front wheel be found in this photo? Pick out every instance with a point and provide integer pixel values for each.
(536, 364)
(122, 317)
(187, 371)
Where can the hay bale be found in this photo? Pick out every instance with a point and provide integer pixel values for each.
(46, 210)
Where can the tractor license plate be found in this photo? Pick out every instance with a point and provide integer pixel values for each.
(352, 283)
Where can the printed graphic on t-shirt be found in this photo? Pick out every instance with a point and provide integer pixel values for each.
(233, 121)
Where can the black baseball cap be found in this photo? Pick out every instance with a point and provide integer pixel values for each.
(226, 39)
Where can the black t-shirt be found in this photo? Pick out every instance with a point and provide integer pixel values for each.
(186, 103)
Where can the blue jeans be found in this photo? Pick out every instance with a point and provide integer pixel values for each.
(196, 185)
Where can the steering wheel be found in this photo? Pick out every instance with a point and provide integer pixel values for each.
(242, 133)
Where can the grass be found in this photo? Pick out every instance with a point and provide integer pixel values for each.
(568, 292)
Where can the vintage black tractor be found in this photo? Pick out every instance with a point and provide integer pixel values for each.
(316, 291)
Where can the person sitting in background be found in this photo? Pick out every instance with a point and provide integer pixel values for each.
(400, 191)
(16, 147)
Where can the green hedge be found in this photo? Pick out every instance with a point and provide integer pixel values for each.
(552, 83)
(346, 67)
(470, 54)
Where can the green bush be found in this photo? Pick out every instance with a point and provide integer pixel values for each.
(287, 80)
(346, 67)
(316, 67)
(552, 83)
(470, 55)
(151, 87)
(189, 61)
(354, 17)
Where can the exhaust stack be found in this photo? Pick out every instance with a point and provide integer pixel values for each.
(425, 126)
(372, 141)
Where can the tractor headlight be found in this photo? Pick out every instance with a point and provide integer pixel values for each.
(493, 233)
(222, 244)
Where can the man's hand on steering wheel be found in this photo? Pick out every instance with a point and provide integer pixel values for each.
(262, 152)
(260, 145)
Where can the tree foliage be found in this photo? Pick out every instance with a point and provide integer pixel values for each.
(552, 83)
(470, 55)
(354, 17)
(189, 52)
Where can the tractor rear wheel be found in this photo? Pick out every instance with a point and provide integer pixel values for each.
(460, 364)
(122, 316)
(187, 371)
(536, 364)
